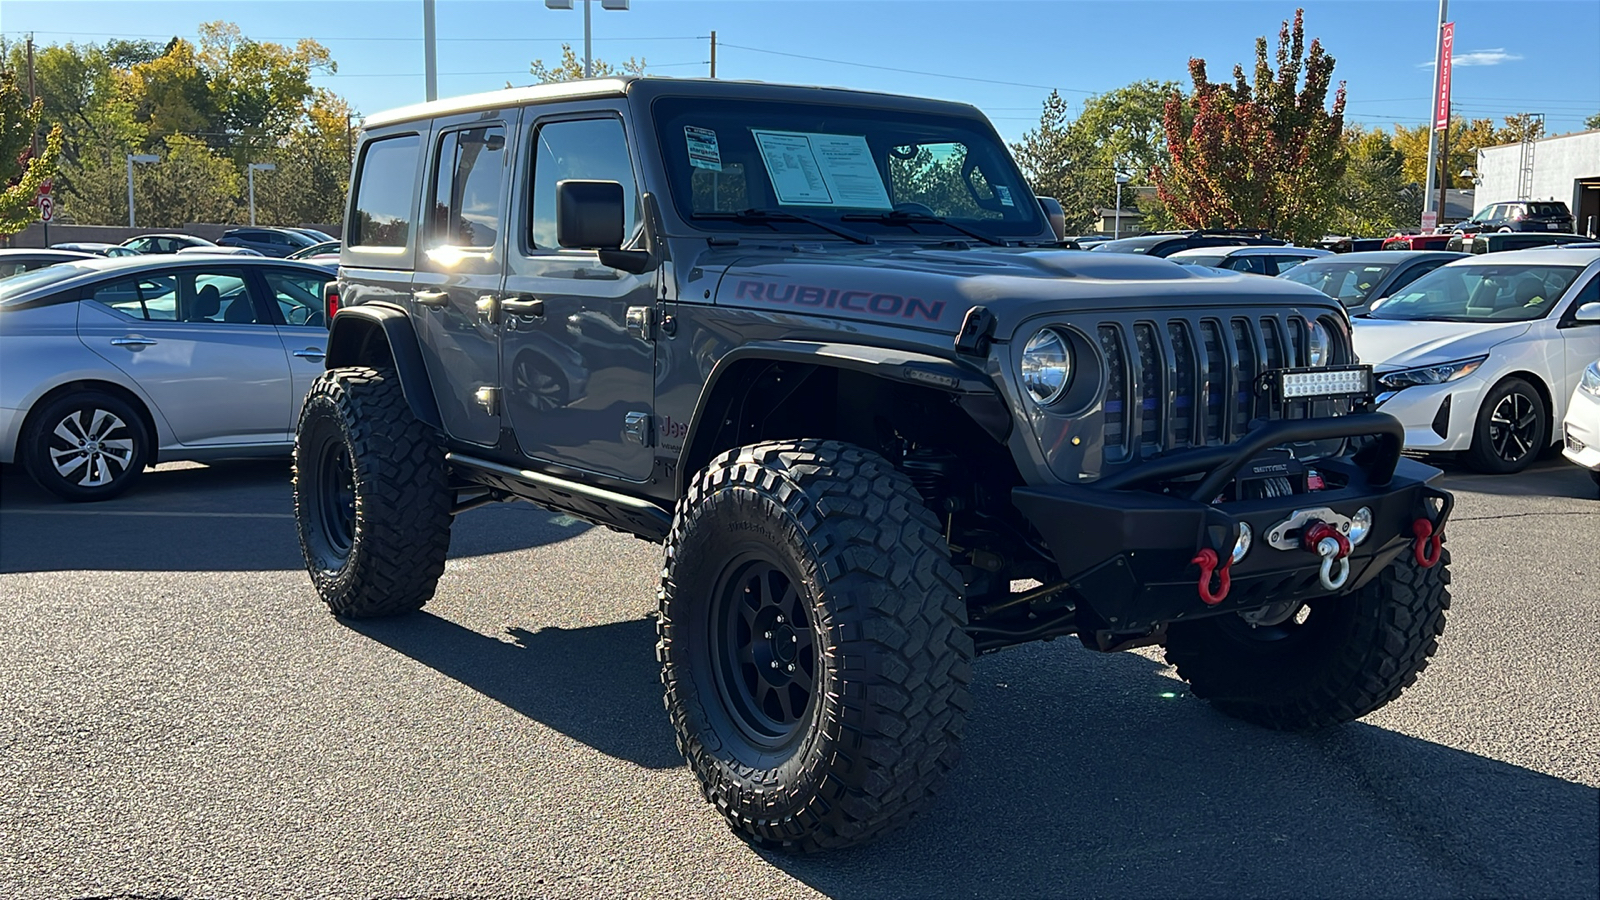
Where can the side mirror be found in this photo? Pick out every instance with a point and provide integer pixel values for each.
(1056, 215)
(590, 215)
(1589, 312)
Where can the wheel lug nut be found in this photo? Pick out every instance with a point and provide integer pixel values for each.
(791, 667)
(780, 620)
(794, 638)
(774, 664)
(767, 635)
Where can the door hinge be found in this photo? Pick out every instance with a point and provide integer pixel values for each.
(640, 319)
(636, 427)
(489, 399)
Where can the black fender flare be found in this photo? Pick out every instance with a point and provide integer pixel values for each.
(973, 389)
(351, 343)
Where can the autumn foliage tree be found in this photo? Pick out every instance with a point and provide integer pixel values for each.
(1264, 155)
(21, 170)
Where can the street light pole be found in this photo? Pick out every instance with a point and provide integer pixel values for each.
(1121, 178)
(136, 158)
(430, 57)
(588, 35)
(264, 167)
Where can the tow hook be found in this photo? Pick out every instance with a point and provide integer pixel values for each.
(1206, 559)
(1325, 541)
(1426, 547)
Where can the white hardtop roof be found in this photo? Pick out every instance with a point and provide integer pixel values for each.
(1537, 256)
(1250, 250)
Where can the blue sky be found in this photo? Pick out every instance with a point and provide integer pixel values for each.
(1525, 55)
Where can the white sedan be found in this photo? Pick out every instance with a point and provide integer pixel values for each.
(1582, 427)
(1481, 356)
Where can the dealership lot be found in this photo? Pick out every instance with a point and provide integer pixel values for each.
(181, 717)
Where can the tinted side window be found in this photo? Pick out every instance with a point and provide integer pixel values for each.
(152, 297)
(587, 149)
(298, 295)
(385, 193)
(1255, 264)
(466, 188)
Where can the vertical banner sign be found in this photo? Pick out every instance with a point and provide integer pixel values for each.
(1441, 100)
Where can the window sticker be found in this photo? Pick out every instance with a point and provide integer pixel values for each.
(1005, 195)
(703, 152)
(809, 169)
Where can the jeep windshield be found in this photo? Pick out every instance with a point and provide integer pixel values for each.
(948, 176)
(1477, 293)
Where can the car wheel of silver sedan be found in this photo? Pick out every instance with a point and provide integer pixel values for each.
(86, 446)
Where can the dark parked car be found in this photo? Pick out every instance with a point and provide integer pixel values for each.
(13, 262)
(1357, 279)
(325, 248)
(1166, 243)
(314, 234)
(1522, 215)
(97, 248)
(1417, 242)
(279, 242)
(1494, 242)
(164, 243)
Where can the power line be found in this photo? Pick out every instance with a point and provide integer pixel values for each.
(846, 62)
(259, 38)
(702, 62)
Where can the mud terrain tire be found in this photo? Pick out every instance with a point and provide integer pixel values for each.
(1350, 656)
(811, 643)
(371, 497)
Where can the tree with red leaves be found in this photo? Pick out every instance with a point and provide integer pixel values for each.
(1263, 156)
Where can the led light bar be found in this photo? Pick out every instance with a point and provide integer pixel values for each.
(1340, 382)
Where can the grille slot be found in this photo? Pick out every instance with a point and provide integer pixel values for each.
(1215, 378)
(1244, 373)
(1116, 403)
(1150, 388)
(1183, 381)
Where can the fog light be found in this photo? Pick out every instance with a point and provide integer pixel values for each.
(1242, 546)
(1360, 526)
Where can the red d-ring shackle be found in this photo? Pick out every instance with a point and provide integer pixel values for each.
(1426, 547)
(1206, 559)
(1319, 530)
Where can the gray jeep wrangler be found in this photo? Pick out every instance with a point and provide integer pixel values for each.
(823, 346)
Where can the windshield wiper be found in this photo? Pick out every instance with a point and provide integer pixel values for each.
(783, 215)
(906, 217)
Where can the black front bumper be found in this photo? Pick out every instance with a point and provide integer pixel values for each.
(1126, 549)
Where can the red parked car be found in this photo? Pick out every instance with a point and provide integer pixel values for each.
(1416, 242)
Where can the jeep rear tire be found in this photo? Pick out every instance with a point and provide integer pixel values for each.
(371, 497)
(1335, 661)
(812, 643)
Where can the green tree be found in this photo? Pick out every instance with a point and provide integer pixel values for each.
(191, 183)
(570, 68)
(261, 92)
(1266, 154)
(1593, 121)
(21, 170)
(1374, 197)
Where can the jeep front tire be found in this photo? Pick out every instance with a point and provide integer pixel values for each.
(371, 497)
(1333, 660)
(812, 643)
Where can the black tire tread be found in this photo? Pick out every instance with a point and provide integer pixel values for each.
(898, 624)
(1394, 630)
(1480, 457)
(402, 496)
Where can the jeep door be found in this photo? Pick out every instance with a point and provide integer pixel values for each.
(577, 368)
(460, 266)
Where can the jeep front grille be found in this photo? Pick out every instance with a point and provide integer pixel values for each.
(1175, 381)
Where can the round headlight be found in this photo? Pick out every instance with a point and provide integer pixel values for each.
(1242, 545)
(1046, 366)
(1360, 526)
(1321, 345)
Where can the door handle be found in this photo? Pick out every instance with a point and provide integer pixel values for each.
(532, 308)
(310, 353)
(431, 299)
(134, 342)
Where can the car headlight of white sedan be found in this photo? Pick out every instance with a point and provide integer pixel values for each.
(1591, 379)
(1435, 374)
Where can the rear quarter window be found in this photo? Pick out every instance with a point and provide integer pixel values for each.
(385, 196)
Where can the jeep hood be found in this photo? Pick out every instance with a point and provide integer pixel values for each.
(932, 287)
(1388, 344)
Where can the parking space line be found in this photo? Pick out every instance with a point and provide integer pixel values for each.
(143, 512)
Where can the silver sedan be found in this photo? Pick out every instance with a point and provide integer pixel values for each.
(111, 365)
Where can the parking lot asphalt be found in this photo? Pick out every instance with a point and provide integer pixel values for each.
(181, 717)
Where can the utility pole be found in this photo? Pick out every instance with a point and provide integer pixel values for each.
(430, 59)
(33, 95)
(713, 54)
(1433, 133)
(1444, 167)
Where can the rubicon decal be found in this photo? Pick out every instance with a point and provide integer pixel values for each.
(888, 306)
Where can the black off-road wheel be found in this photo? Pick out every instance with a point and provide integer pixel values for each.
(812, 644)
(371, 496)
(1333, 660)
(1512, 429)
(85, 447)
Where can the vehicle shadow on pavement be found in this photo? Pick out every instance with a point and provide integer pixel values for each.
(226, 517)
(1551, 478)
(1102, 776)
(599, 685)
